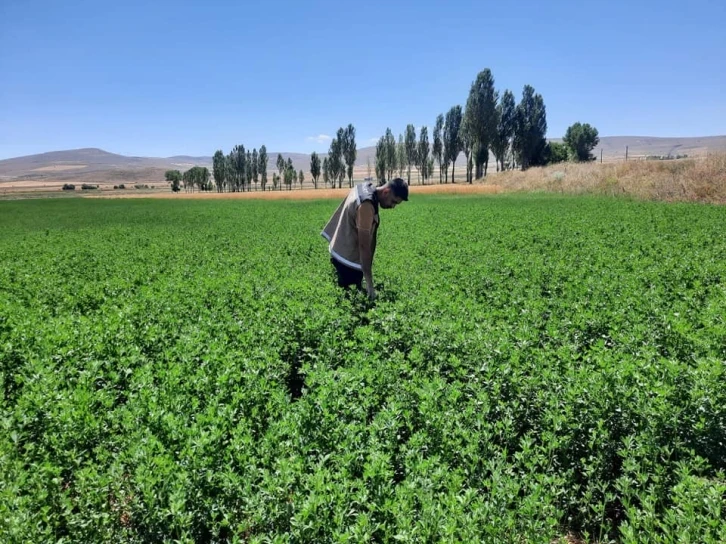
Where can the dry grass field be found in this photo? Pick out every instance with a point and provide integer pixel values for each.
(701, 179)
(692, 180)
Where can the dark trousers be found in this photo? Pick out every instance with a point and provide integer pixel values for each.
(347, 276)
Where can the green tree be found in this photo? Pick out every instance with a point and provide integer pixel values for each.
(452, 138)
(249, 169)
(410, 149)
(401, 157)
(255, 167)
(481, 119)
(205, 179)
(422, 153)
(381, 158)
(187, 180)
(390, 146)
(326, 171)
(262, 166)
(280, 163)
(219, 170)
(349, 151)
(335, 161)
(468, 142)
(340, 136)
(300, 178)
(239, 163)
(173, 175)
(557, 152)
(229, 171)
(193, 177)
(581, 140)
(175, 178)
(530, 128)
(506, 121)
(290, 174)
(481, 159)
(197, 176)
(243, 155)
(315, 168)
(438, 150)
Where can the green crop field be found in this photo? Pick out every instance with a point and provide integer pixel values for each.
(535, 366)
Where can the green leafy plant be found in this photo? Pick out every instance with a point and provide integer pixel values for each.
(534, 366)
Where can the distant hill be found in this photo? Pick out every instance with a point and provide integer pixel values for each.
(639, 146)
(99, 166)
(92, 164)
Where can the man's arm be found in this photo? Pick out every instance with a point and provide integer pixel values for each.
(364, 222)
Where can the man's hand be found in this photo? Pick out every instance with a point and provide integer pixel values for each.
(371, 292)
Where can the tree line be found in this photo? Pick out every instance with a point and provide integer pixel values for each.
(237, 171)
(240, 169)
(340, 160)
(490, 124)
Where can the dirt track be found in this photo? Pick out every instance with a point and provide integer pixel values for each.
(304, 194)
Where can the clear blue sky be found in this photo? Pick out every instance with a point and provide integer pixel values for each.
(159, 78)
